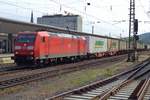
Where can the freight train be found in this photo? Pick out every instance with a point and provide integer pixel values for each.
(44, 47)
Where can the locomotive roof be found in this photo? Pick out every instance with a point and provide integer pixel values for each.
(60, 34)
(75, 35)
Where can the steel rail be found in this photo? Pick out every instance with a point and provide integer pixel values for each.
(95, 87)
(41, 74)
(116, 89)
(144, 88)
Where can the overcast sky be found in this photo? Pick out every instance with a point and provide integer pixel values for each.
(105, 15)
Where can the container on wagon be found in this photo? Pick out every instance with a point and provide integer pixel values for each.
(96, 44)
(122, 45)
(112, 45)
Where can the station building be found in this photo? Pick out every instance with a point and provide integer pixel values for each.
(69, 22)
(7, 43)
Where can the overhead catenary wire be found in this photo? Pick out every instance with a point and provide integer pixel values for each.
(82, 12)
(144, 9)
(12, 4)
(70, 6)
(16, 5)
(45, 12)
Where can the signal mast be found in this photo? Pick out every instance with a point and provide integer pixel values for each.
(133, 29)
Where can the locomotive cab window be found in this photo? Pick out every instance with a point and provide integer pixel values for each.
(26, 38)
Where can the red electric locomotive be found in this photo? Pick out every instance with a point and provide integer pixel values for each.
(42, 47)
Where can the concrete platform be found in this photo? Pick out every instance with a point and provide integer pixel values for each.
(6, 55)
(6, 59)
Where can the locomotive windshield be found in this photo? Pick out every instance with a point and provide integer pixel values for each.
(26, 38)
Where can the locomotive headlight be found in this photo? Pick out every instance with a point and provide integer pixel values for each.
(30, 47)
(16, 52)
(17, 47)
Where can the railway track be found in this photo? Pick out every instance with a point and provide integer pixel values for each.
(129, 89)
(107, 88)
(37, 74)
(13, 69)
(145, 94)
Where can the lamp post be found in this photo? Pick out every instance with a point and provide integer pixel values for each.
(32, 19)
(92, 29)
(93, 26)
(87, 4)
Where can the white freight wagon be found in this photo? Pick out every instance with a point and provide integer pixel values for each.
(96, 44)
